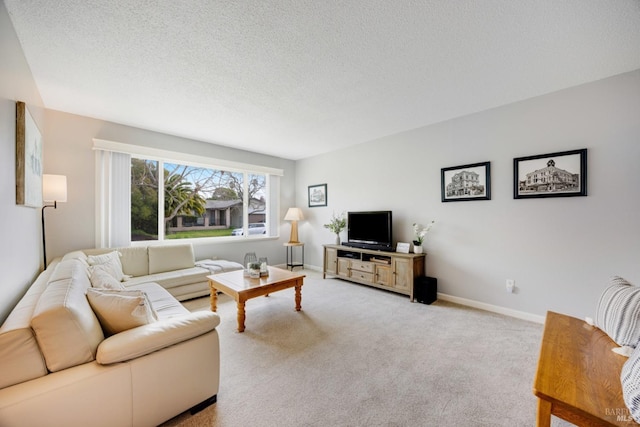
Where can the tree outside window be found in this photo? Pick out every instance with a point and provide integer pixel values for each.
(198, 202)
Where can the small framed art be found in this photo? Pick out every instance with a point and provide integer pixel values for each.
(402, 247)
(467, 182)
(28, 159)
(562, 174)
(317, 195)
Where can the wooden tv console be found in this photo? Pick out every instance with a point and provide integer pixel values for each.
(392, 271)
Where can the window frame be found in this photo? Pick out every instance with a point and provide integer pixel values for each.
(164, 156)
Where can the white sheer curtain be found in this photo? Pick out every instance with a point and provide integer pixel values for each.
(273, 214)
(113, 199)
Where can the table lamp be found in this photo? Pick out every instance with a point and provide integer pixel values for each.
(294, 215)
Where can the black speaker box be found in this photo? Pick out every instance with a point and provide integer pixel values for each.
(425, 289)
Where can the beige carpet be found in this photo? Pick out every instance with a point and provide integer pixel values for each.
(359, 356)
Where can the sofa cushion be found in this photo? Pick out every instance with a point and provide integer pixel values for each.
(135, 260)
(75, 255)
(164, 333)
(68, 268)
(120, 310)
(110, 262)
(618, 312)
(163, 303)
(65, 326)
(169, 258)
(100, 278)
(172, 279)
(20, 356)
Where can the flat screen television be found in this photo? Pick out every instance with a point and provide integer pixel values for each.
(369, 230)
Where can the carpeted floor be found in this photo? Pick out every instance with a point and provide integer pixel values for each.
(359, 356)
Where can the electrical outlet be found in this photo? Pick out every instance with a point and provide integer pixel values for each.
(510, 285)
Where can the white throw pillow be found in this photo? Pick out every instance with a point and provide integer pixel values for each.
(618, 312)
(119, 311)
(630, 380)
(101, 278)
(110, 262)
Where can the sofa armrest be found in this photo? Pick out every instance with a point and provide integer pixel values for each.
(155, 336)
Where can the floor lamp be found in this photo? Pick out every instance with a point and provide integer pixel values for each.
(54, 189)
(294, 215)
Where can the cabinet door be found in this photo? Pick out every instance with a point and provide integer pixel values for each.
(343, 267)
(402, 274)
(331, 260)
(383, 275)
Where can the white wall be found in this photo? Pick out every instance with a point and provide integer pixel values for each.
(20, 255)
(560, 251)
(69, 141)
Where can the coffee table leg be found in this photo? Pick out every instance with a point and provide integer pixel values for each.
(298, 297)
(241, 316)
(214, 298)
(544, 413)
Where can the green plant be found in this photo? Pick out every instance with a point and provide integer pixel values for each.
(337, 223)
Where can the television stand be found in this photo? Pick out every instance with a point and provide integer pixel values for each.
(392, 271)
(369, 246)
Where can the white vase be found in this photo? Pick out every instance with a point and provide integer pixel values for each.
(417, 249)
(337, 239)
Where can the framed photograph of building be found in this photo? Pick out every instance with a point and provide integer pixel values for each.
(562, 174)
(317, 195)
(467, 182)
(28, 159)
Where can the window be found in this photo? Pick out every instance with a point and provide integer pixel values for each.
(180, 196)
(198, 201)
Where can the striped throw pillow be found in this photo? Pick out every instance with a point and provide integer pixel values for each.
(618, 312)
(630, 379)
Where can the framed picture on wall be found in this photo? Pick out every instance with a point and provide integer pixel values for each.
(317, 195)
(28, 159)
(562, 174)
(466, 182)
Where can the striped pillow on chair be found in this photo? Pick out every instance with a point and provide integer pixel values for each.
(630, 379)
(618, 312)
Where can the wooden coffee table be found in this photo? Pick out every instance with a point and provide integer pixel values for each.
(241, 288)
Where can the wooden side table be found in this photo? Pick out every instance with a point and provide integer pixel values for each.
(578, 376)
(290, 258)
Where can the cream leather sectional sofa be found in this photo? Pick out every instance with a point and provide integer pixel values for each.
(172, 267)
(58, 367)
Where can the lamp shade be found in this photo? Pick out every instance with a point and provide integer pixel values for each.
(294, 214)
(54, 188)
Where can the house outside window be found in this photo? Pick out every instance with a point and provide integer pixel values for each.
(144, 193)
(198, 201)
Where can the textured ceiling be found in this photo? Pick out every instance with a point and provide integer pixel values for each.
(298, 78)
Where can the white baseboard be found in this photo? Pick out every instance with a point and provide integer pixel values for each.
(471, 303)
(493, 308)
